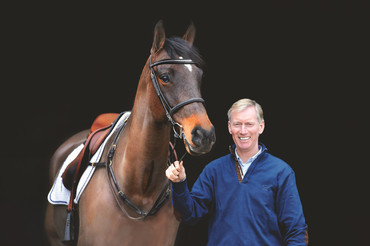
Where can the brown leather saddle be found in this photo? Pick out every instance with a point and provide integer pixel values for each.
(98, 132)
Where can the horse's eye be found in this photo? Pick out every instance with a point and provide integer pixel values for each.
(165, 78)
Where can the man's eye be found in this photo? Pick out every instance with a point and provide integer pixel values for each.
(165, 78)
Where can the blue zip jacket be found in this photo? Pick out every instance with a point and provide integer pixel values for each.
(264, 209)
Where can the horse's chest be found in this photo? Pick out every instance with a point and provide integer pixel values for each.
(104, 222)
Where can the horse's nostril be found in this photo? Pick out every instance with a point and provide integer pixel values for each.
(197, 136)
(201, 137)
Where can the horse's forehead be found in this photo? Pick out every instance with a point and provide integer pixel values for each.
(189, 70)
(161, 54)
(188, 66)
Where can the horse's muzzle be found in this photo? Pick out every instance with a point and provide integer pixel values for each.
(202, 139)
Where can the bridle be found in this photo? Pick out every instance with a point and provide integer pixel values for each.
(170, 111)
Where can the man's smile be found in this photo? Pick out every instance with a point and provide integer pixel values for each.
(244, 138)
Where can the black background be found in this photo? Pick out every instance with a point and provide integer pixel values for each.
(305, 62)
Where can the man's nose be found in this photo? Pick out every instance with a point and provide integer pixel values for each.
(243, 129)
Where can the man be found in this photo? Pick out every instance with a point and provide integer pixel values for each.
(250, 195)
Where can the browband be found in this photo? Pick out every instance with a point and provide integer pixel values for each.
(170, 61)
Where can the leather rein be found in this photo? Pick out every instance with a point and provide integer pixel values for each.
(170, 111)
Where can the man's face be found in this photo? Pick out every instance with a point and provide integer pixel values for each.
(245, 129)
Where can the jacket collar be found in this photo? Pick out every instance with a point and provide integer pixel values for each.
(233, 146)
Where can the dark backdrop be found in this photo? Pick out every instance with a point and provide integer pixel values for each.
(306, 63)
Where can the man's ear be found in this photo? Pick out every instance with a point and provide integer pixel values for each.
(261, 127)
(229, 127)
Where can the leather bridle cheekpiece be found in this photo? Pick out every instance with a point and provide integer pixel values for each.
(170, 111)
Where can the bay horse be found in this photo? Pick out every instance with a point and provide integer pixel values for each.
(168, 98)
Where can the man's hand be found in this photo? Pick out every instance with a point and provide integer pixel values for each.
(176, 172)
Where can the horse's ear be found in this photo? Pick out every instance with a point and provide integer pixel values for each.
(190, 34)
(159, 37)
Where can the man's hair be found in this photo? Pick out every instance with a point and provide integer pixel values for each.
(245, 103)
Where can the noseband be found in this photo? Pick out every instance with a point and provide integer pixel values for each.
(170, 111)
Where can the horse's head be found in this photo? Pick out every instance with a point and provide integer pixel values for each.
(176, 75)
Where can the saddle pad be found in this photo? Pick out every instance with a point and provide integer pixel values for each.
(59, 194)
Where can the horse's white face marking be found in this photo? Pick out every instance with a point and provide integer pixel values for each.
(188, 66)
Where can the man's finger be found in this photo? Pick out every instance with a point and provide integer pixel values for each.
(175, 172)
(176, 164)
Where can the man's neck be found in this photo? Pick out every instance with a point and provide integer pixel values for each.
(246, 154)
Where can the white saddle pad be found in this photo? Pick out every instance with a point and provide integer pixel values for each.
(59, 194)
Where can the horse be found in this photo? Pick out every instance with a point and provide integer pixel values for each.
(168, 99)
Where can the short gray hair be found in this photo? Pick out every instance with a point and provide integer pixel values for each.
(245, 103)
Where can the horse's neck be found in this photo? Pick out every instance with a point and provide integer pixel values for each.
(142, 151)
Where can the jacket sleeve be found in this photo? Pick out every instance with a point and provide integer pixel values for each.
(195, 204)
(289, 210)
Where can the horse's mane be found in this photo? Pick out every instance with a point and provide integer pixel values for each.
(178, 46)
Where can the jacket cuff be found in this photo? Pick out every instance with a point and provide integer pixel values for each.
(180, 187)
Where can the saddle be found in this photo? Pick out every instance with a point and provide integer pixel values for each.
(98, 132)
